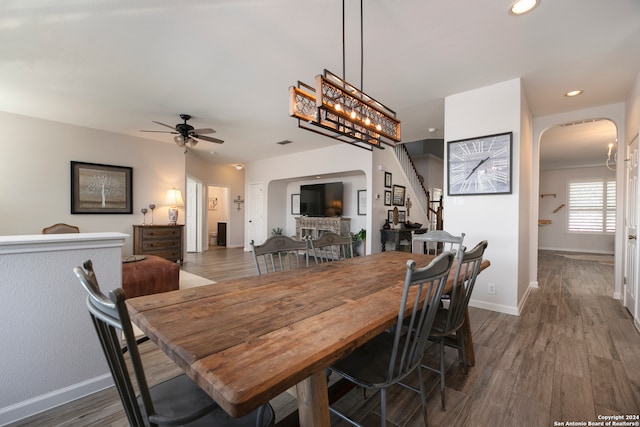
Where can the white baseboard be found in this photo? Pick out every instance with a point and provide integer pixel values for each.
(581, 250)
(525, 297)
(500, 308)
(506, 309)
(55, 398)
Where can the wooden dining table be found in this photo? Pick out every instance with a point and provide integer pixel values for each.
(247, 340)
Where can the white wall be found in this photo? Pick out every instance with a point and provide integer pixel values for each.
(35, 174)
(360, 168)
(632, 114)
(351, 185)
(280, 176)
(495, 218)
(555, 236)
(50, 352)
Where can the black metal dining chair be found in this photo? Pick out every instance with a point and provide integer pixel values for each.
(449, 320)
(279, 253)
(390, 357)
(177, 401)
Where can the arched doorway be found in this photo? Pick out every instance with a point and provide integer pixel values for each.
(575, 157)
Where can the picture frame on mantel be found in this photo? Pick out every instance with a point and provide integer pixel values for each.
(295, 204)
(101, 189)
(362, 202)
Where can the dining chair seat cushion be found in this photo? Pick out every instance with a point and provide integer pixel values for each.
(180, 395)
(376, 353)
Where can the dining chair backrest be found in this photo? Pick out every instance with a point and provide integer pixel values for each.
(425, 285)
(109, 315)
(464, 279)
(331, 247)
(437, 241)
(60, 228)
(177, 401)
(279, 253)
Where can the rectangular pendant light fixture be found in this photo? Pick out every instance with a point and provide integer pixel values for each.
(337, 109)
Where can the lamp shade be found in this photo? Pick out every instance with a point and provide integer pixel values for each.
(174, 198)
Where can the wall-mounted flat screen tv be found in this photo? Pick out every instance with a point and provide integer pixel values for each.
(321, 199)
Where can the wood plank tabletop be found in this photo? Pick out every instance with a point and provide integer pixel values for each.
(247, 340)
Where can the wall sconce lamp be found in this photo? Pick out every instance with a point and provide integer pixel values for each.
(173, 200)
(238, 201)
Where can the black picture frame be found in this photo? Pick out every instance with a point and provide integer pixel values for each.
(387, 197)
(362, 202)
(387, 179)
(398, 195)
(390, 216)
(402, 216)
(101, 189)
(295, 204)
(480, 166)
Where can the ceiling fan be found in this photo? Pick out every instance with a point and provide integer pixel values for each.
(186, 135)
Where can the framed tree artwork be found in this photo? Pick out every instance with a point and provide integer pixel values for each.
(101, 189)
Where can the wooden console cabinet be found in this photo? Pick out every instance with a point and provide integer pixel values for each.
(313, 227)
(161, 240)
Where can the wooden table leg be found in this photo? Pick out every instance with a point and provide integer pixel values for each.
(468, 340)
(313, 401)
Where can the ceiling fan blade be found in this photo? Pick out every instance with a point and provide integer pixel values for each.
(208, 138)
(158, 131)
(162, 124)
(205, 130)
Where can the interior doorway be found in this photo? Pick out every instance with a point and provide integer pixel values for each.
(218, 216)
(194, 211)
(572, 156)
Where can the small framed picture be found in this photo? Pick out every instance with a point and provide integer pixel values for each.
(295, 204)
(402, 216)
(398, 195)
(362, 202)
(390, 215)
(387, 198)
(213, 203)
(387, 179)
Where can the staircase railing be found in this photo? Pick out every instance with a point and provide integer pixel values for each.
(434, 214)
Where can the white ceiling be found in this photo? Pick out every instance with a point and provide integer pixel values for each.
(117, 65)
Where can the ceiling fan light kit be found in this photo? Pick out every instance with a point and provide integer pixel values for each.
(186, 135)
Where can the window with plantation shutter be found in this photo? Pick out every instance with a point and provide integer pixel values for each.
(592, 206)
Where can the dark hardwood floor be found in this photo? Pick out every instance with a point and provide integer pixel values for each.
(572, 355)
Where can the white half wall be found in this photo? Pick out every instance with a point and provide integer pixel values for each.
(50, 351)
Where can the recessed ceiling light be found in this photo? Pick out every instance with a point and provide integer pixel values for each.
(573, 93)
(238, 167)
(523, 6)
